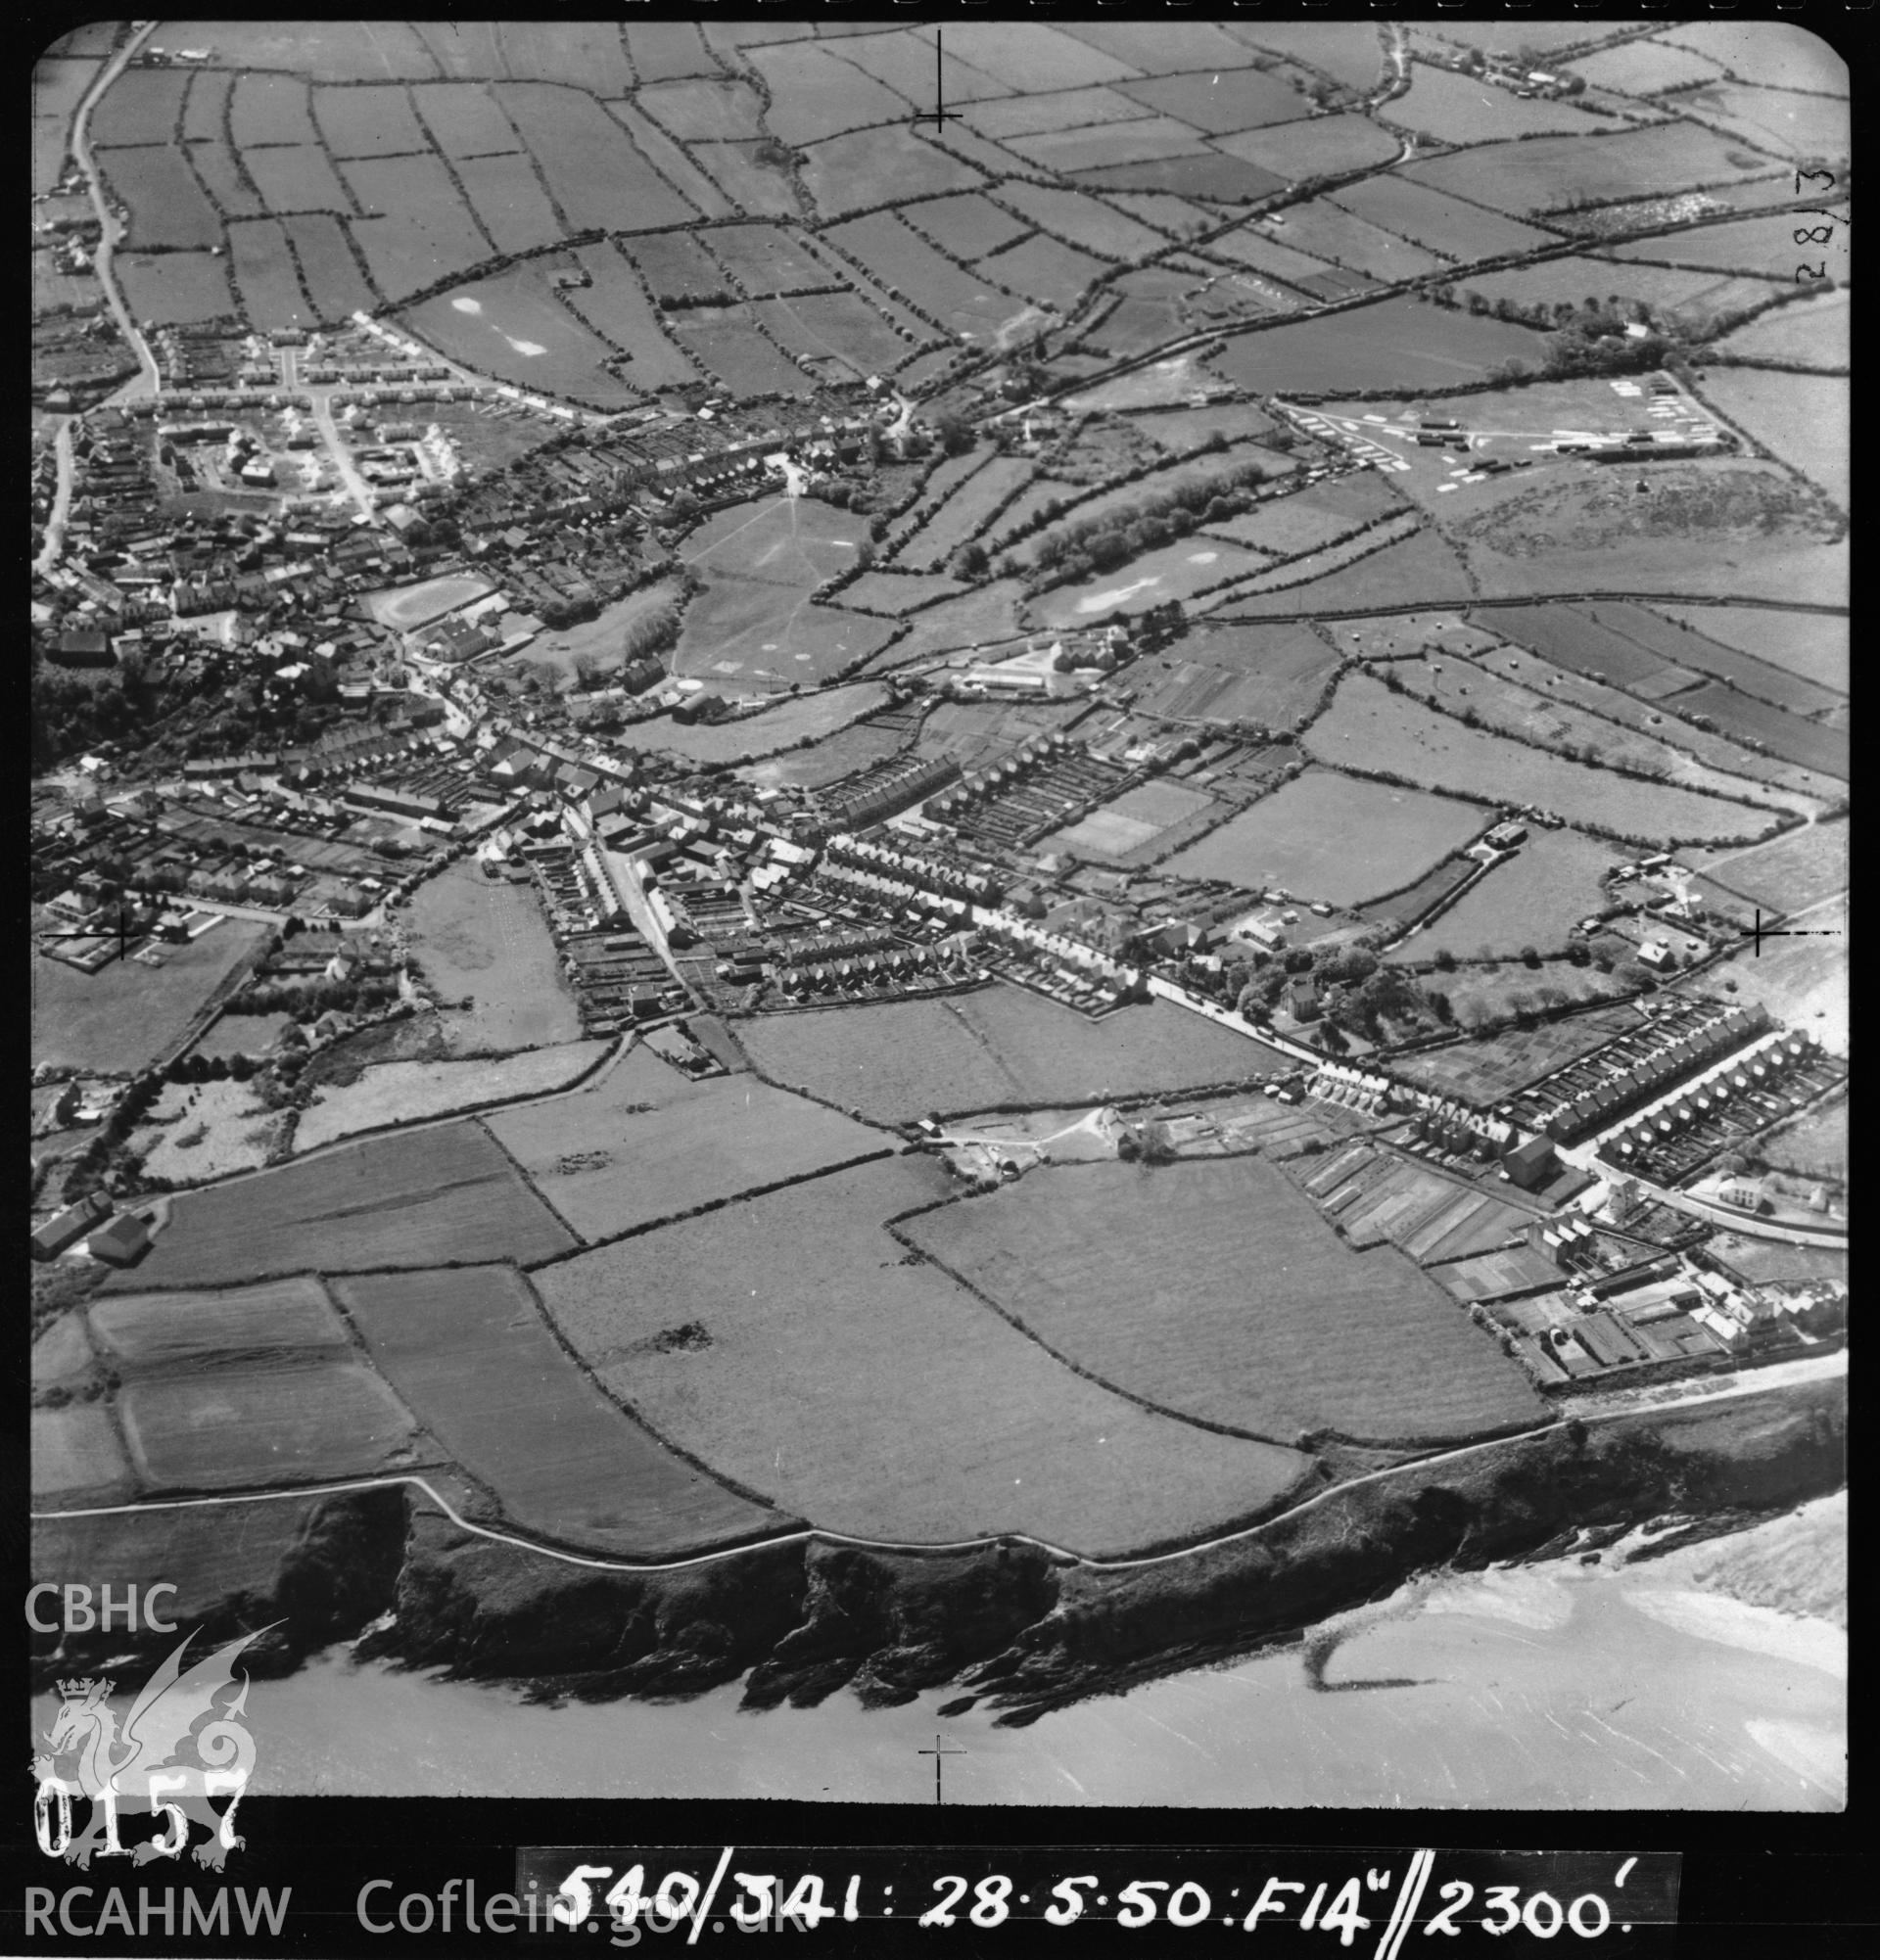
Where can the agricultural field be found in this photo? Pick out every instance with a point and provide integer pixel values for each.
(616, 306)
(334, 281)
(1788, 873)
(1814, 1146)
(1058, 108)
(796, 1316)
(267, 108)
(1812, 646)
(469, 1350)
(1459, 109)
(509, 201)
(296, 177)
(1333, 838)
(1219, 103)
(77, 1456)
(1753, 248)
(597, 178)
(766, 259)
(393, 1093)
(325, 50)
(1816, 334)
(234, 1429)
(967, 226)
(1253, 245)
(486, 938)
(1396, 342)
(1177, 571)
(1272, 675)
(141, 106)
(677, 266)
(998, 1046)
(663, 50)
(896, 592)
(1031, 57)
(1289, 527)
(1324, 147)
(371, 122)
(812, 93)
(1367, 727)
(986, 616)
(1534, 899)
(839, 326)
(962, 514)
(1551, 173)
(726, 344)
(1420, 569)
(1802, 418)
(179, 288)
(714, 108)
(286, 1318)
(1591, 529)
(123, 1017)
(1780, 55)
(753, 627)
(58, 88)
(511, 325)
(871, 166)
(1516, 694)
(1084, 221)
(965, 303)
(645, 1144)
(1216, 1291)
(1329, 231)
(446, 1195)
(167, 210)
(464, 118)
(419, 231)
(1442, 224)
(1668, 290)
(1644, 67)
(1054, 275)
(271, 293)
(1791, 122)
(1634, 647)
(749, 176)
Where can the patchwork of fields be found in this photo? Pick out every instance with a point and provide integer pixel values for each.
(1217, 1291)
(791, 1345)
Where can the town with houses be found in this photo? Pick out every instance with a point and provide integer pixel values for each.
(420, 750)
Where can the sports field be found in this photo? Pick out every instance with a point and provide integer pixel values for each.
(469, 1350)
(754, 629)
(792, 1344)
(487, 938)
(1216, 1290)
(1333, 838)
(405, 608)
(446, 1195)
(646, 1144)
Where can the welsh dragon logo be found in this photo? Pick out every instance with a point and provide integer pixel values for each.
(161, 1762)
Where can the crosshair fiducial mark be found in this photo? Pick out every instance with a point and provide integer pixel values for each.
(1757, 933)
(123, 931)
(939, 114)
(937, 1751)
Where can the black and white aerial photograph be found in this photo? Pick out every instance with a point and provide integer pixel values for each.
(939, 908)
